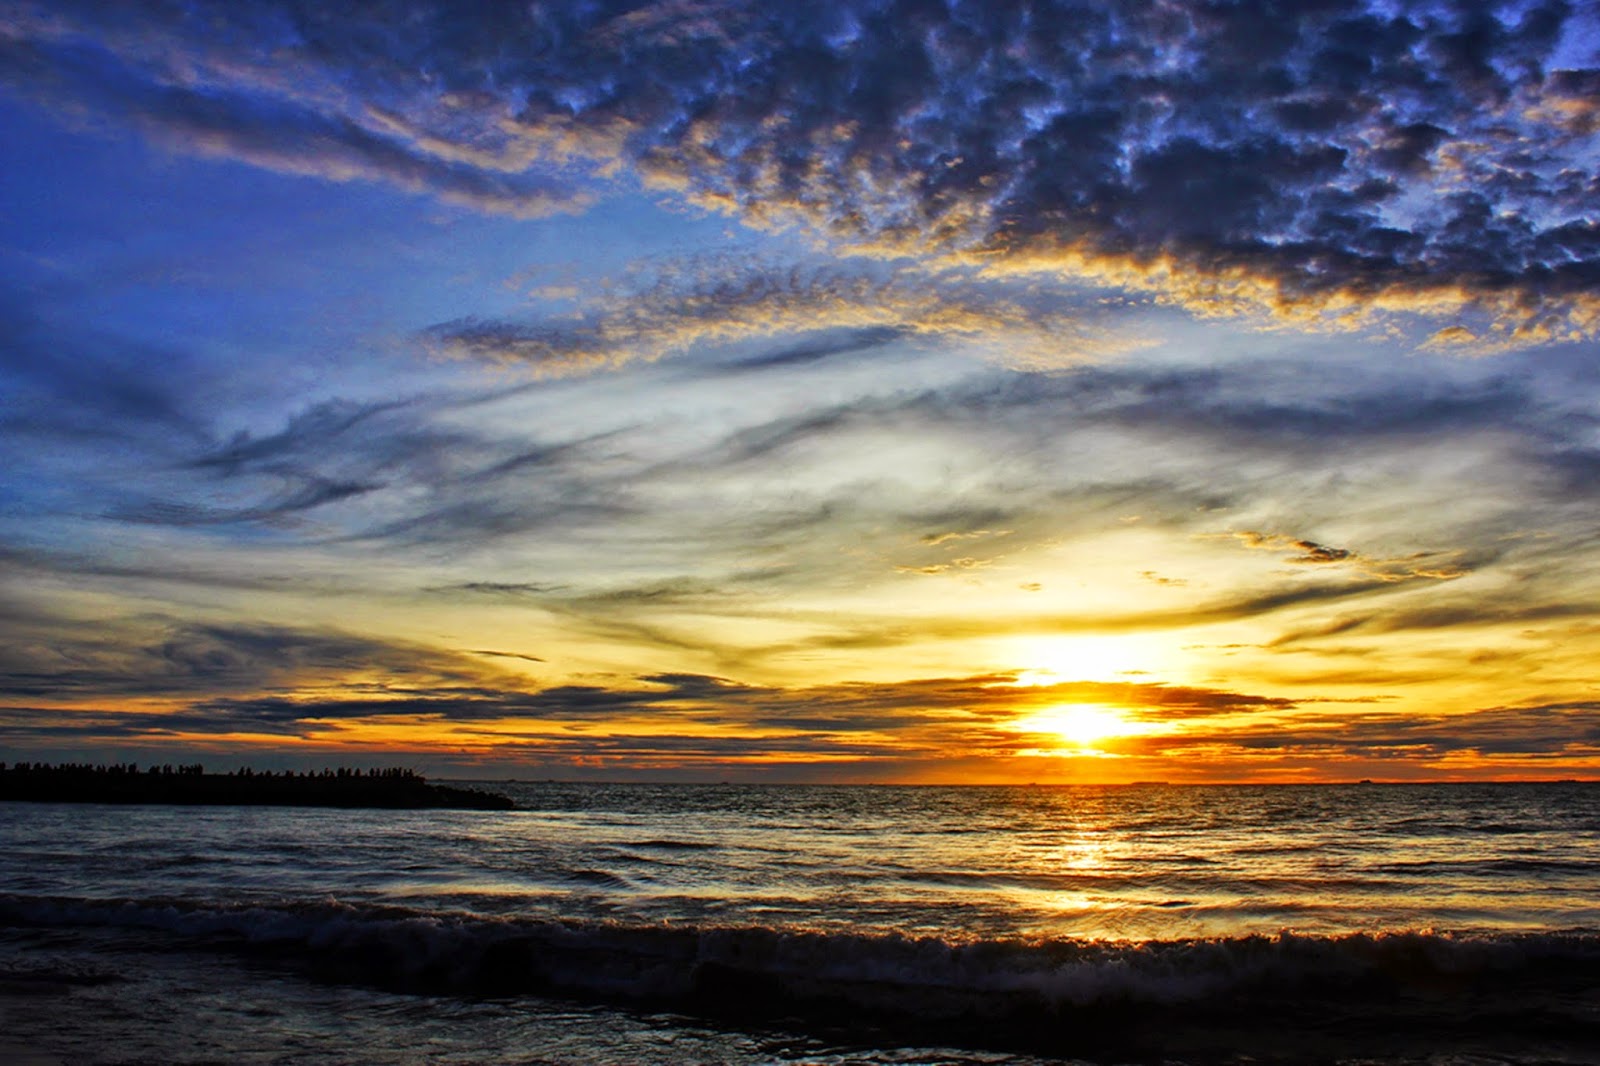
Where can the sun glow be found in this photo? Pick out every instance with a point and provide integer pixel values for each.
(1080, 725)
(1052, 660)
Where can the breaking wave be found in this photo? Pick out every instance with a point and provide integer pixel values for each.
(1002, 993)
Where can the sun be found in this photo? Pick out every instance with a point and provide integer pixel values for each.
(1081, 725)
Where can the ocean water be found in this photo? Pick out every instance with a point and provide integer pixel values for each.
(1381, 924)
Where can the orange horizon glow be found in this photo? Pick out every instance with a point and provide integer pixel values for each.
(1029, 727)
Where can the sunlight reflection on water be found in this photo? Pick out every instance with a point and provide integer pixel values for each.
(1140, 862)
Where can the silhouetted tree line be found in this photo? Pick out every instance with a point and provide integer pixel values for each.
(165, 769)
(394, 786)
(393, 773)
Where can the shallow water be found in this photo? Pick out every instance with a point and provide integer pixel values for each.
(800, 923)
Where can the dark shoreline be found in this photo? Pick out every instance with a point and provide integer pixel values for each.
(191, 786)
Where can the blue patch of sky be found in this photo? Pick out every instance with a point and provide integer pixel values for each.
(246, 263)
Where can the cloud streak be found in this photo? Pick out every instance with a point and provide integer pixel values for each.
(1302, 552)
(1553, 732)
(444, 689)
(136, 659)
(670, 307)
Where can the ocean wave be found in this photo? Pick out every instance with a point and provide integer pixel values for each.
(1403, 996)
(600, 878)
(1487, 866)
(666, 844)
(886, 975)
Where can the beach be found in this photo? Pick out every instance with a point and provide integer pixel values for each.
(745, 924)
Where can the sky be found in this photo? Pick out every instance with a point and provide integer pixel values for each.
(847, 391)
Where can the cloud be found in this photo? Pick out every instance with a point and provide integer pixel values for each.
(861, 631)
(668, 307)
(312, 493)
(1454, 613)
(965, 562)
(1311, 551)
(1433, 566)
(514, 590)
(507, 655)
(1338, 164)
(211, 101)
(816, 351)
(131, 658)
(1418, 476)
(933, 540)
(404, 470)
(1552, 731)
(307, 434)
(699, 721)
(887, 718)
(66, 384)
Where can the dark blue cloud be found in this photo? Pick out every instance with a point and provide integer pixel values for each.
(129, 657)
(274, 130)
(1413, 152)
(62, 384)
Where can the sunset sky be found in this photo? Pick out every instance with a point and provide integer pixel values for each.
(830, 391)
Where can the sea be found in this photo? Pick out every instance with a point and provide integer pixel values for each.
(1377, 924)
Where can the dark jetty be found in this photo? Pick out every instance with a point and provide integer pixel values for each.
(127, 783)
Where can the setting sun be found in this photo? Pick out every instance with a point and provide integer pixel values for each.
(1080, 724)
